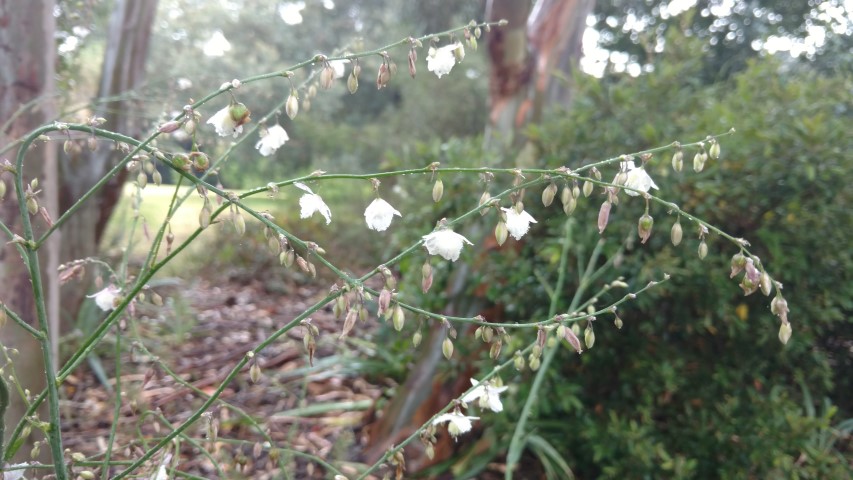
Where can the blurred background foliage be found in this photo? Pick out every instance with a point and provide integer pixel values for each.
(696, 384)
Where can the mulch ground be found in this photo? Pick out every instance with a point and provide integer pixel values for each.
(200, 334)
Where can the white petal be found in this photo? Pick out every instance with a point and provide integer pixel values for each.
(275, 137)
(379, 215)
(518, 224)
(224, 124)
(302, 187)
(311, 203)
(474, 394)
(440, 61)
(105, 299)
(445, 243)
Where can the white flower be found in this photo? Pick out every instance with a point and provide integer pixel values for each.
(274, 138)
(105, 299)
(517, 223)
(440, 61)
(446, 243)
(379, 215)
(225, 124)
(488, 396)
(311, 203)
(16, 474)
(458, 425)
(339, 67)
(637, 179)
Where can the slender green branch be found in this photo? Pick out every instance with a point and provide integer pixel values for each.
(105, 469)
(4, 404)
(21, 323)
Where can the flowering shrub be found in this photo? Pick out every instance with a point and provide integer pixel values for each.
(533, 343)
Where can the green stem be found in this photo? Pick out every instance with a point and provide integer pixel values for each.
(4, 404)
(105, 469)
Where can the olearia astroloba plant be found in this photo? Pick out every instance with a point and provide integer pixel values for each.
(350, 295)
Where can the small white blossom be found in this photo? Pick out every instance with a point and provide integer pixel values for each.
(441, 60)
(445, 243)
(16, 474)
(517, 223)
(311, 203)
(272, 140)
(225, 124)
(637, 179)
(379, 215)
(339, 67)
(458, 425)
(105, 299)
(487, 395)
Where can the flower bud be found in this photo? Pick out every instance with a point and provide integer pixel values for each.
(676, 233)
(589, 337)
(495, 350)
(383, 76)
(426, 272)
(399, 318)
(239, 113)
(603, 216)
(289, 258)
(181, 161)
(239, 223)
(255, 372)
(548, 194)
(618, 322)
(292, 105)
(501, 232)
(327, 77)
(779, 307)
(565, 194)
(200, 161)
(587, 188)
(157, 177)
(518, 361)
(437, 190)
(384, 301)
(785, 332)
(766, 284)
(87, 475)
(416, 338)
(484, 199)
(447, 350)
(678, 160)
(535, 363)
(413, 57)
(572, 338)
(142, 180)
(169, 127)
(698, 162)
(737, 264)
(3, 188)
(703, 249)
(488, 334)
(352, 83)
(714, 151)
(644, 227)
(570, 205)
(32, 205)
(576, 191)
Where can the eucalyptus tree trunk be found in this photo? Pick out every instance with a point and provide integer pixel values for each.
(122, 73)
(27, 57)
(533, 58)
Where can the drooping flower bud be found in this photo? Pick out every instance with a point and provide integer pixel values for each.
(383, 76)
(785, 332)
(239, 223)
(589, 337)
(518, 361)
(327, 77)
(603, 216)
(413, 57)
(399, 318)
(678, 160)
(565, 195)
(676, 233)
(495, 350)
(714, 151)
(699, 161)
(587, 188)
(644, 227)
(703, 249)
(573, 340)
(437, 190)
(384, 301)
(737, 264)
(239, 113)
(766, 284)
(255, 372)
(292, 105)
(416, 338)
(447, 348)
(779, 307)
(484, 199)
(618, 322)
(426, 280)
(169, 127)
(352, 83)
(501, 232)
(548, 194)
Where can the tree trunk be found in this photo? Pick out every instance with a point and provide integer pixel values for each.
(123, 71)
(532, 58)
(26, 100)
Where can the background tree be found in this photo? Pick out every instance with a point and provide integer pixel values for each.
(26, 102)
